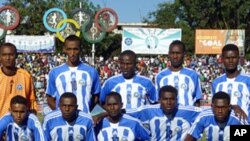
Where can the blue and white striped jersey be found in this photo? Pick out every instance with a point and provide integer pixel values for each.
(127, 129)
(186, 81)
(134, 91)
(206, 123)
(30, 131)
(163, 127)
(57, 129)
(82, 80)
(238, 88)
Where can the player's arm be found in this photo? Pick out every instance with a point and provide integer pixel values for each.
(142, 132)
(94, 101)
(30, 91)
(196, 130)
(4, 121)
(90, 135)
(51, 102)
(101, 101)
(95, 90)
(198, 91)
(38, 131)
(189, 138)
(45, 127)
(51, 91)
(104, 91)
(152, 95)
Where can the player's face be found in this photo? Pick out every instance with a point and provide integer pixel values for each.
(127, 64)
(7, 56)
(221, 109)
(72, 50)
(230, 59)
(113, 106)
(19, 113)
(176, 56)
(168, 102)
(68, 106)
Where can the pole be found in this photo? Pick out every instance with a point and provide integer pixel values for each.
(93, 31)
(93, 54)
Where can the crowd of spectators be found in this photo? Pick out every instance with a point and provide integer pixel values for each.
(208, 66)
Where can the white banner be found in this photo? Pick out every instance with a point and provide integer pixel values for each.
(25, 43)
(149, 40)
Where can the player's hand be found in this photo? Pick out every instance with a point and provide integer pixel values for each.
(239, 112)
(98, 118)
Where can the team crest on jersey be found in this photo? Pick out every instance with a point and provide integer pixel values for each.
(136, 94)
(237, 94)
(82, 82)
(124, 139)
(177, 129)
(79, 137)
(184, 86)
(24, 138)
(19, 87)
(37, 124)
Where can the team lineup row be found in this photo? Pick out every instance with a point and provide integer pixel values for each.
(167, 120)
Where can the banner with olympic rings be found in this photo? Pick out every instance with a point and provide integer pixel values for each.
(44, 44)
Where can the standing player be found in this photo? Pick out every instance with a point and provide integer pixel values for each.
(134, 88)
(14, 81)
(234, 83)
(167, 120)
(118, 126)
(74, 76)
(215, 121)
(68, 123)
(19, 124)
(185, 80)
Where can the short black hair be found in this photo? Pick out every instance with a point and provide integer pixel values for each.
(178, 43)
(129, 53)
(68, 95)
(230, 47)
(221, 95)
(168, 88)
(115, 94)
(18, 99)
(9, 45)
(73, 38)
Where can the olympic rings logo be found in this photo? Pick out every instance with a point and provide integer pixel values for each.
(50, 22)
(59, 35)
(10, 16)
(104, 15)
(9, 19)
(55, 20)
